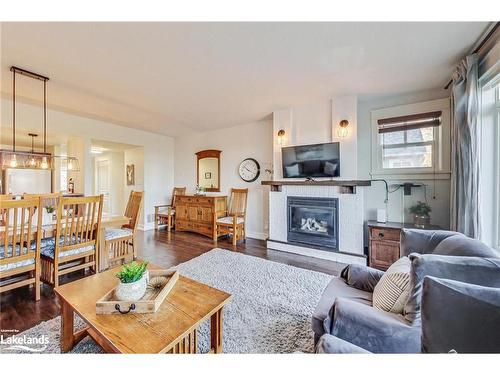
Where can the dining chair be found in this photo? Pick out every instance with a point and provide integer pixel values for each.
(232, 220)
(20, 236)
(75, 244)
(165, 214)
(120, 243)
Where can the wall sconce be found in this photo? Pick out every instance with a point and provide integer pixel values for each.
(343, 130)
(281, 137)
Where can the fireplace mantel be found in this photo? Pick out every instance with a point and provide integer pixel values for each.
(346, 186)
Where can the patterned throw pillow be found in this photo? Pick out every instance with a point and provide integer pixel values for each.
(392, 291)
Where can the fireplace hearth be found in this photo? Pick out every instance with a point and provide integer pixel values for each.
(314, 222)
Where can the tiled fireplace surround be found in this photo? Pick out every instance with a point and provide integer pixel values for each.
(350, 223)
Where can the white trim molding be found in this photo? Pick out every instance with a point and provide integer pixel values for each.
(441, 168)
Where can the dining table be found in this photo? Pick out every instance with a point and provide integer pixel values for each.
(108, 221)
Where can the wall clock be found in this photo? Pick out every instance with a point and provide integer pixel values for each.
(249, 170)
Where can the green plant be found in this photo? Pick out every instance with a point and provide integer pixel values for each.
(132, 272)
(421, 209)
(50, 209)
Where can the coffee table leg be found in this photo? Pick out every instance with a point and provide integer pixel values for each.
(216, 332)
(67, 336)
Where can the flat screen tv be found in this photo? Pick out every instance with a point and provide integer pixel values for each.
(319, 160)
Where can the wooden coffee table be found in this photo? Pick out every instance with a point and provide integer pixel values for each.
(172, 329)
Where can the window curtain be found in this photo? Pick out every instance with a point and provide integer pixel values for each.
(465, 143)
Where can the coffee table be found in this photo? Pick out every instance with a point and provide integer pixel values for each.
(172, 329)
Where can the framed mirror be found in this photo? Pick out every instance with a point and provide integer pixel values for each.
(208, 170)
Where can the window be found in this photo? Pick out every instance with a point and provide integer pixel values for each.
(410, 141)
(490, 163)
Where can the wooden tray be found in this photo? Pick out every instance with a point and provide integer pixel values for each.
(149, 303)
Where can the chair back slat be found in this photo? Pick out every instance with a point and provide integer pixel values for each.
(177, 191)
(78, 222)
(133, 210)
(238, 202)
(16, 233)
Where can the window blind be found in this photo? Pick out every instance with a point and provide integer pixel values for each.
(409, 122)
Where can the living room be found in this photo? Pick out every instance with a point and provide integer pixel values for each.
(250, 187)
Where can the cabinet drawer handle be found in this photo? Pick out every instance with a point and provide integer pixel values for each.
(381, 235)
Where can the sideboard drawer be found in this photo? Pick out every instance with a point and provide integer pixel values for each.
(383, 254)
(386, 234)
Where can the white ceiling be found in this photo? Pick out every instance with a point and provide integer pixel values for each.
(175, 77)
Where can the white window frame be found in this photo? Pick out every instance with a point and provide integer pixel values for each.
(440, 168)
(490, 160)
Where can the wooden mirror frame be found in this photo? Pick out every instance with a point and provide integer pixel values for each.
(208, 154)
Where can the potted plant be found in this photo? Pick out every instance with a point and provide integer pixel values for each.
(133, 281)
(420, 212)
(48, 214)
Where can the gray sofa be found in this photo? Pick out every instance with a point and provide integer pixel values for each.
(345, 309)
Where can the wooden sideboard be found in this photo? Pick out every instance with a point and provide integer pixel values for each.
(197, 213)
(385, 242)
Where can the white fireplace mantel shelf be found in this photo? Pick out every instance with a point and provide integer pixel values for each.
(346, 186)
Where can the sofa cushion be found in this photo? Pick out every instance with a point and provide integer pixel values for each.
(472, 270)
(423, 241)
(464, 246)
(335, 289)
(470, 323)
(391, 292)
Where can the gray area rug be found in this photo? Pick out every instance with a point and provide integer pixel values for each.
(270, 311)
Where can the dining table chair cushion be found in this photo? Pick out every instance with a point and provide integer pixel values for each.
(229, 220)
(13, 265)
(115, 233)
(47, 247)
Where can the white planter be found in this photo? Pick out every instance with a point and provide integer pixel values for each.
(132, 291)
(46, 217)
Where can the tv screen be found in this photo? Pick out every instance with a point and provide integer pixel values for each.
(320, 160)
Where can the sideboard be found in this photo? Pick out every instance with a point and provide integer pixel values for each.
(197, 213)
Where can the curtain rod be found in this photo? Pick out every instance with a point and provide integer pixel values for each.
(478, 48)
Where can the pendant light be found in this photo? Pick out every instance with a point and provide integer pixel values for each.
(22, 159)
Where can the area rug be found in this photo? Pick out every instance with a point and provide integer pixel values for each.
(270, 311)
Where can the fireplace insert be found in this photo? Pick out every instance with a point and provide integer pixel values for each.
(314, 222)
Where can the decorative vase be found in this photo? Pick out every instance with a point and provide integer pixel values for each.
(421, 221)
(132, 291)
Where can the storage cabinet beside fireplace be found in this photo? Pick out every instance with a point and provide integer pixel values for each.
(195, 213)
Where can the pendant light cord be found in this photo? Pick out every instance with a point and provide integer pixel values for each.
(13, 111)
(45, 116)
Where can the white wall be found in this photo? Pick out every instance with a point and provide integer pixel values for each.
(158, 149)
(318, 122)
(397, 207)
(237, 143)
(134, 156)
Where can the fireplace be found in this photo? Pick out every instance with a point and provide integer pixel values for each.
(314, 222)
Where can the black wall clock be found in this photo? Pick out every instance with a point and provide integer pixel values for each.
(249, 170)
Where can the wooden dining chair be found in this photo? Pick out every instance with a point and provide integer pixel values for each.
(232, 220)
(165, 214)
(75, 244)
(20, 237)
(120, 243)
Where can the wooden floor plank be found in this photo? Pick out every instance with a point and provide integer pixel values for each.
(18, 310)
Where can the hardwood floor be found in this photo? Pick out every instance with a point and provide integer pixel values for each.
(18, 310)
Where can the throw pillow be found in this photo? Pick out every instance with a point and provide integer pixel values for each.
(469, 321)
(391, 292)
(471, 270)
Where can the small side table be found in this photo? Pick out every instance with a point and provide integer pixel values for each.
(385, 242)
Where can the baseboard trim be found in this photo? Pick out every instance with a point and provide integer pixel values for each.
(332, 256)
(256, 235)
(148, 226)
